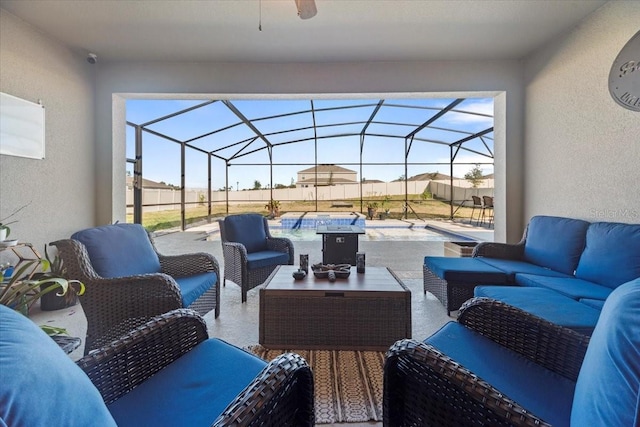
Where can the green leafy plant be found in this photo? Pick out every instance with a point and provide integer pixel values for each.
(25, 287)
(57, 270)
(272, 205)
(474, 176)
(426, 194)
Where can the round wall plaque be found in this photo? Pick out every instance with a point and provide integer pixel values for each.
(624, 77)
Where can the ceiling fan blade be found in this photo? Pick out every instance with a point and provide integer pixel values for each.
(306, 8)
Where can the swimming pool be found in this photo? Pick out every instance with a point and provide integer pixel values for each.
(374, 234)
(311, 220)
(424, 233)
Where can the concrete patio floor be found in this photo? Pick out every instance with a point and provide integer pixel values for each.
(238, 323)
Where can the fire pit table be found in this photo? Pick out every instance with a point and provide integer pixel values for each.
(367, 311)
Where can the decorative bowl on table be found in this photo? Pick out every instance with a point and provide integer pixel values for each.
(331, 271)
(299, 274)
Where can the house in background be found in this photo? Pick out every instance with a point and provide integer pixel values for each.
(326, 174)
(147, 183)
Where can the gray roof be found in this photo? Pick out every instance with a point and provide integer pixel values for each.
(327, 168)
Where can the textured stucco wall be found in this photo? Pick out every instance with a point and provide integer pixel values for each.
(60, 188)
(502, 79)
(582, 150)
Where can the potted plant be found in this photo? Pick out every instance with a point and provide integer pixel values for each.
(372, 208)
(22, 289)
(55, 300)
(273, 206)
(4, 232)
(385, 206)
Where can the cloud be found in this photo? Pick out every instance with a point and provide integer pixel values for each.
(481, 107)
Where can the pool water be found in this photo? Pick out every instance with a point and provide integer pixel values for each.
(371, 234)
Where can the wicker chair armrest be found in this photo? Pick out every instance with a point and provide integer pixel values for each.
(554, 347)
(423, 386)
(499, 250)
(281, 395)
(121, 366)
(189, 264)
(235, 250)
(281, 244)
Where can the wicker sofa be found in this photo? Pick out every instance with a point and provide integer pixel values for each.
(128, 282)
(165, 373)
(571, 258)
(501, 366)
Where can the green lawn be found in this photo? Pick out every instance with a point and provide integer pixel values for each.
(429, 208)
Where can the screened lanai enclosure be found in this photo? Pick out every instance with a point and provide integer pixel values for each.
(211, 157)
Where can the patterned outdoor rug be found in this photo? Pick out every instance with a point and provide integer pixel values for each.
(348, 384)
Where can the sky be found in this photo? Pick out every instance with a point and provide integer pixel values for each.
(384, 144)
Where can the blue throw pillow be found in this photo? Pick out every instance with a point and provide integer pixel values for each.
(607, 391)
(119, 250)
(555, 242)
(247, 229)
(39, 384)
(612, 254)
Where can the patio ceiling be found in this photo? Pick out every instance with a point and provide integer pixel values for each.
(353, 30)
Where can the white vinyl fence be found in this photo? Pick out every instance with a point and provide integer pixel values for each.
(169, 199)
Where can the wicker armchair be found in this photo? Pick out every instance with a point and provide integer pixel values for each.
(128, 282)
(164, 373)
(250, 252)
(281, 394)
(501, 366)
(423, 386)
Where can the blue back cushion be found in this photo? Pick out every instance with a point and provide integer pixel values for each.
(119, 250)
(247, 229)
(607, 391)
(612, 254)
(555, 242)
(39, 384)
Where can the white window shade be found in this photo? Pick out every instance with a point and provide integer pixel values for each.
(21, 127)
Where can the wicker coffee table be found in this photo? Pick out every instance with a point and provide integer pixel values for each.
(367, 311)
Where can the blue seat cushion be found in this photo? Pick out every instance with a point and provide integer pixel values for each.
(540, 391)
(512, 267)
(607, 391)
(463, 270)
(247, 229)
(593, 303)
(266, 258)
(119, 250)
(39, 384)
(555, 243)
(571, 287)
(191, 391)
(546, 304)
(192, 287)
(612, 254)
